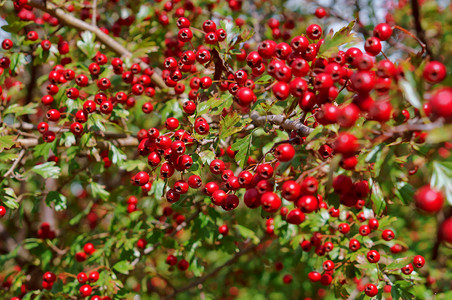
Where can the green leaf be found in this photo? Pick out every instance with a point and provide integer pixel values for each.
(68, 139)
(342, 37)
(87, 44)
(207, 156)
(399, 263)
(43, 150)
(378, 201)
(10, 198)
(17, 60)
(96, 122)
(441, 178)
(242, 146)
(98, 191)
(316, 133)
(440, 134)
(408, 90)
(215, 106)
(123, 267)
(6, 141)
(118, 156)
(247, 233)
(19, 110)
(230, 125)
(47, 170)
(59, 200)
(130, 165)
(404, 191)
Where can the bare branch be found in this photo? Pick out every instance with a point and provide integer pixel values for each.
(297, 125)
(212, 273)
(80, 25)
(15, 164)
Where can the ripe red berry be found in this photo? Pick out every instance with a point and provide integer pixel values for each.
(344, 228)
(429, 199)
(82, 277)
(371, 290)
(183, 265)
(93, 276)
(373, 256)
(354, 244)
(441, 102)
(382, 31)
(270, 202)
(418, 261)
(372, 46)
(320, 12)
(364, 230)
(284, 152)
(85, 290)
(434, 72)
(387, 235)
(223, 229)
(408, 269)
(445, 231)
(314, 32)
(295, 216)
(328, 265)
(314, 276)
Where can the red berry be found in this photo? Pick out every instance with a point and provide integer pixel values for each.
(429, 199)
(223, 229)
(371, 290)
(85, 290)
(387, 235)
(270, 202)
(284, 152)
(418, 261)
(434, 72)
(408, 269)
(373, 256)
(383, 31)
(445, 231)
(441, 102)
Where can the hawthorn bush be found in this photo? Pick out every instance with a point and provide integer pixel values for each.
(225, 149)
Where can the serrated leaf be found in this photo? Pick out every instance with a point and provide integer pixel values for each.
(207, 156)
(118, 156)
(378, 201)
(67, 139)
(59, 200)
(123, 267)
(131, 165)
(6, 141)
(404, 191)
(10, 198)
(96, 122)
(408, 90)
(98, 191)
(247, 233)
(87, 44)
(47, 170)
(342, 37)
(242, 146)
(19, 110)
(441, 178)
(399, 263)
(230, 125)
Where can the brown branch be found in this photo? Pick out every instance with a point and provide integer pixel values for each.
(212, 273)
(417, 25)
(80, 25)
(297, 125)
(173, 233)
(15, 164)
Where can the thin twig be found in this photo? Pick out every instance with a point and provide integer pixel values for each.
(16, 163)
(212, 273)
